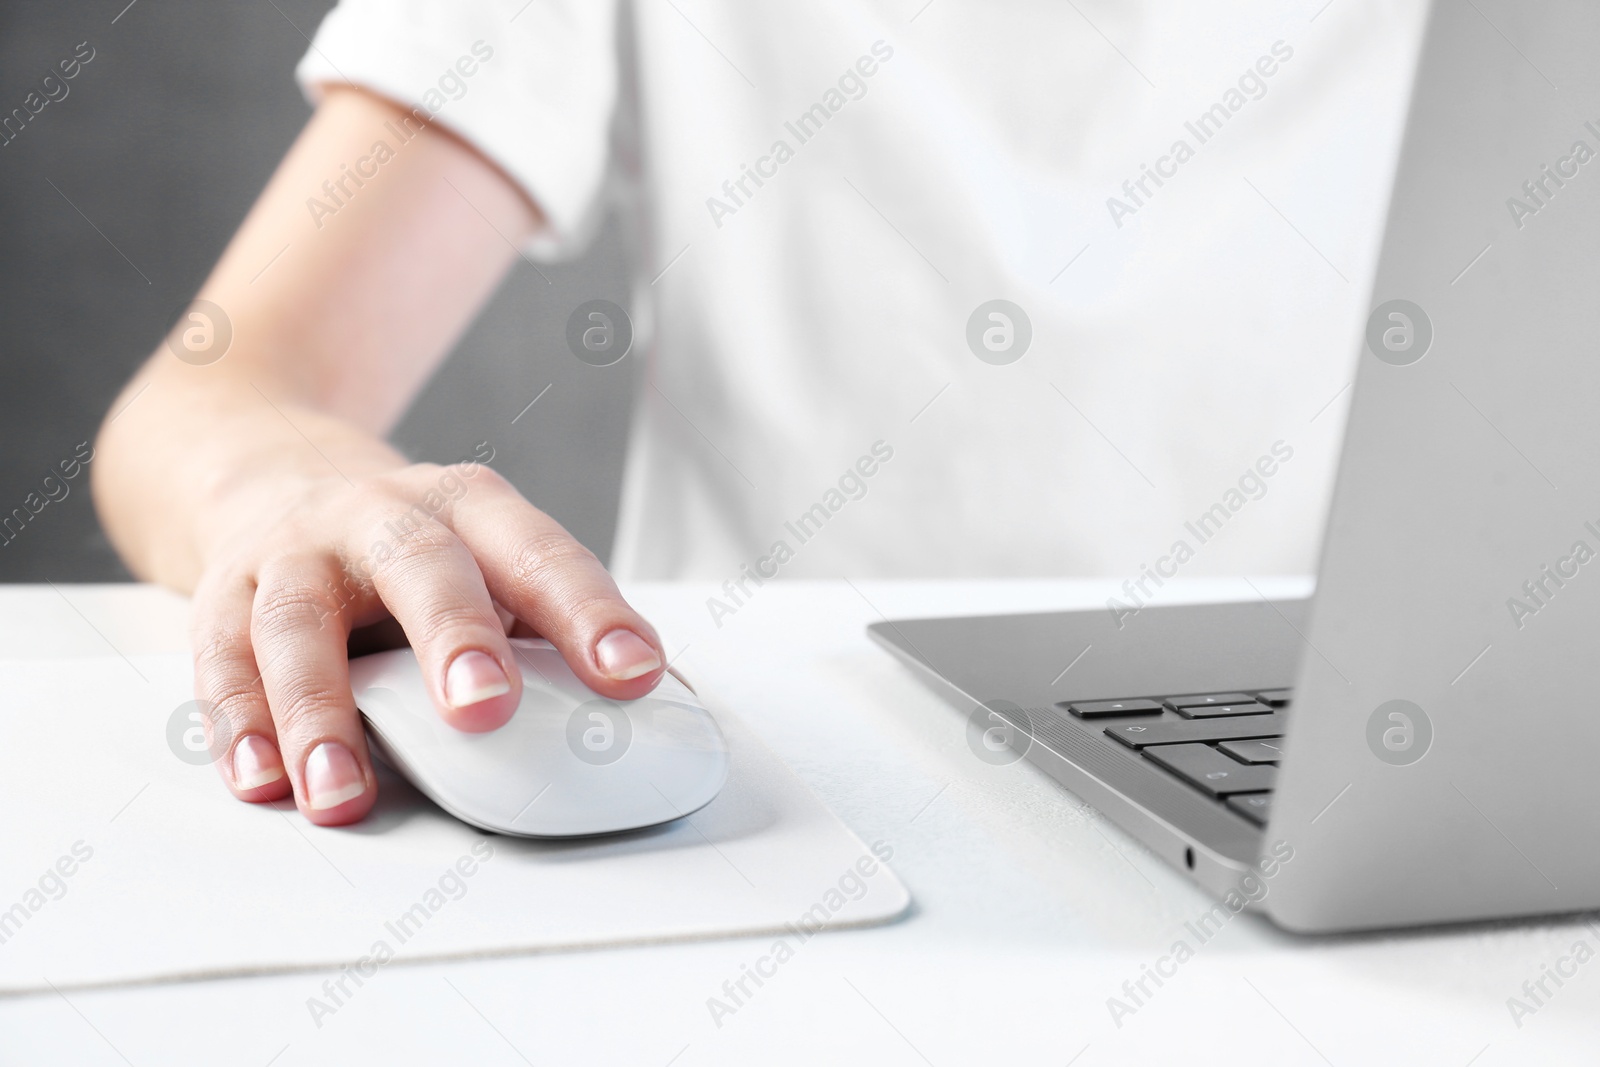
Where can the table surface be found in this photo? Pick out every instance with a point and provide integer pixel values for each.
(1034, 918)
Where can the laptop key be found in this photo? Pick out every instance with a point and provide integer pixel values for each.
(1199, 700)
(1217, 711)
(1256, 807)
(1211, 771)
(1253, 751)
(1095, 709)
(1278, 698)
(1230, 728)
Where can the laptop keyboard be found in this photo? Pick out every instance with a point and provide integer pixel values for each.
(1226, 745)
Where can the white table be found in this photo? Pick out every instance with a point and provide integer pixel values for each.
(1031, 911)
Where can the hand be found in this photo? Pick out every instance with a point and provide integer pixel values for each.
(455, 556)
(285, 556)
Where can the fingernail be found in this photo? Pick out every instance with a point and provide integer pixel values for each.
(332, 776)
(623, 654)
(255, 763)
(473, 677)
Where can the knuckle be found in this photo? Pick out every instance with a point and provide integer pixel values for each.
(419, 567)
(586, 604)
(225, 682)
(423, 473)
(304, 706)
(220, 653)
(424, 541)
(290, 604)
(238, 705)
(539, 558)
(216, 587)
(374, 495)
(490, 478)
(453, 622)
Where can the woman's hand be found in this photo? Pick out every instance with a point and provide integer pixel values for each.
(454, 555)
(252, 471)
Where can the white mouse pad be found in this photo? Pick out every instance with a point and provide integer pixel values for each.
(123, 862)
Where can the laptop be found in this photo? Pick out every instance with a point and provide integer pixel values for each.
(1419, 742)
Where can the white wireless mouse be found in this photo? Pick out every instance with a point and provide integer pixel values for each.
(569, 762)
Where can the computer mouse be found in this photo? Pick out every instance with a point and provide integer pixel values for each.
(569, 763)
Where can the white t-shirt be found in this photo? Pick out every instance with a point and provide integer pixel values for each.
(1184, 200)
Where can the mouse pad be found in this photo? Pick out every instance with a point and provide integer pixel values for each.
(125, 860)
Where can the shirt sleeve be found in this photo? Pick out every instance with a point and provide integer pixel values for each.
(531, 84)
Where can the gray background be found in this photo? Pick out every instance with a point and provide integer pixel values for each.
(162, 143)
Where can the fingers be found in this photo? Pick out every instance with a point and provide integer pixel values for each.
(243, 738)
(298, 628)
(271, 654)
(535, 568)
(435, 590)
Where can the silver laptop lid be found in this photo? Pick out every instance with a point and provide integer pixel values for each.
(1441, 764)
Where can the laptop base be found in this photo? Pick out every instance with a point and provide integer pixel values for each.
(1016, 677)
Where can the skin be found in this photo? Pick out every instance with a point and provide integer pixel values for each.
(256, 483)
